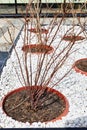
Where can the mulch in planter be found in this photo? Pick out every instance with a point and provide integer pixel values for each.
(34, 30)
(52, 107)
(37, 48)
(73, 38)
(81, 66)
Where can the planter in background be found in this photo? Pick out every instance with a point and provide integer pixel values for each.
(62, 105)
(80, 66)
(34, 30)
(37, 48)
(73, 38)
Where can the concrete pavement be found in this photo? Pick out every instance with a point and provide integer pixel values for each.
(8, 25)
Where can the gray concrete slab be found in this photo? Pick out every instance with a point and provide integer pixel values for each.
(14, 26)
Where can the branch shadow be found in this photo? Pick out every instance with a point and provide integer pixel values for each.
(77, 122)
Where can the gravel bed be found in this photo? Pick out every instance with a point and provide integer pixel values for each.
(73, 86)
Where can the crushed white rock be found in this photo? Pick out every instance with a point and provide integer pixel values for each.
(74, 87)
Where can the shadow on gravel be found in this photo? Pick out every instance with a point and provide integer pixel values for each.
(77, 122)
(3, 58)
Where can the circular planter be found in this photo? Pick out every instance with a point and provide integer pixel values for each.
(80, 66)
(37, 48)
(34, 30)
(73, 38)
(57, 94)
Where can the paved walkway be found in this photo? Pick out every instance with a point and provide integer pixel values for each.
(8, 25)
(14, 26)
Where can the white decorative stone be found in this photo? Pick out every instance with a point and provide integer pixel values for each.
(73, 86)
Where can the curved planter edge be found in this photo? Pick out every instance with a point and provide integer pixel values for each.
(1, 103)
(65, 112)
(34, 45)
(77, 69)
(71, 37)
(43, 31)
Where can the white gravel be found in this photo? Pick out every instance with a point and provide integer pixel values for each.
(74, 87)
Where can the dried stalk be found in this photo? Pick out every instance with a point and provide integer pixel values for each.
(17, 57)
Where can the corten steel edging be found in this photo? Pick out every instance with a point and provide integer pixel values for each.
(10, 51)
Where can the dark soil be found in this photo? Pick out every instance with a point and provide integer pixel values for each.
(73, 38)
(51, 108)
(82, 65)
(37, 48)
